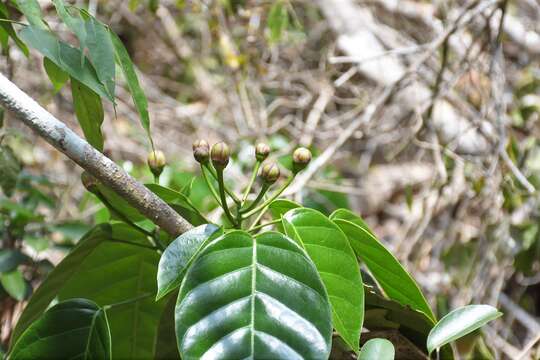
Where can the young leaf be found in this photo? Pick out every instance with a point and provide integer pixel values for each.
(72, 329)
(329, 249)
(278, 20)
(89, 111)
(57, 76)
(385, 268)
(64, 56)
(178, 256)
(101, 52)
(137, 93)
(32, 11)
(253, 297)
(458, 323)
(377, 349)
(14, 284)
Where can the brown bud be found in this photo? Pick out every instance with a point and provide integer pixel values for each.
(301, 158)
(89, 181)
(261, 151)
(156, 162)
(270, 173)
(201, 151)
(220, 155)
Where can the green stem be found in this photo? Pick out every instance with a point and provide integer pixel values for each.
(258, 218)
(271, 198)
(255, 228)
(224, 204)
(229, 192)
(128, 301)
(263, 191)
(251, 181)
(209, 184)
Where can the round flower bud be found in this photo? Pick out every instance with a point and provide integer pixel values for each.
(201, 151)
(220, 155)
(156, 162)
(261, 151)
(270, 173)
(89, 182)
(301, 158)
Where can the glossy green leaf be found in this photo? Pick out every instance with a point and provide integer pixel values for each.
(9, 31)
(385, 268)
(10, 259)
(279, 207)
(73, 329)
(101, 52)
(32, 11)
(61, 274)
(64, 56)
(329, 249)
(253, 297)
(278, 20)
(137, 93)
(57, 76)
(89, 111)
(178, 256)
(377, 349)
(10, 169)
(460, 322)
(179, 202)
(14, 284)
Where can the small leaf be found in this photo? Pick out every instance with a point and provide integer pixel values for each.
(14, 284)
(329, 249)
(10, 259)
(57, 76)
(278, 20)
(377, 349)
(9, 168)
(32, 11)
(65, 57)
(137, 93)
(89, 111)
(75, 328)
(460, 322)
(392, 277)
(253, 297)
(178, 256)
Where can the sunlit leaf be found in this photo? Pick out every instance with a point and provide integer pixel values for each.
(377, 349)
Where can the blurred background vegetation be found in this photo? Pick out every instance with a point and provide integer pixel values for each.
(423, 117)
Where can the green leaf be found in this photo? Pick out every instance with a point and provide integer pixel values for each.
(335, 260)
(8, 28)
(460, 322)
(377, 349)
(32, 11)
(122, 273)
(73, 329)
(166, 348)
(137, 93)
(65, 270)
(10, 259)
(385, 268)
(14, 284)
(101, 52)
(10, 169)
(57, 76)
(65, 57)
(89, 111)
(279, 207)
(179, 202)
(278, 20)
(253, 297)
(75, 24)
(178, 257)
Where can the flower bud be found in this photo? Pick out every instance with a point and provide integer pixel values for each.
(201, 151)
(156, 162)
(261, 151)
(301, 158)
(89, 182)
(220, 155)
(270, 173)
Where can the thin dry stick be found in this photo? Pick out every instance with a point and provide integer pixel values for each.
(65, 140)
